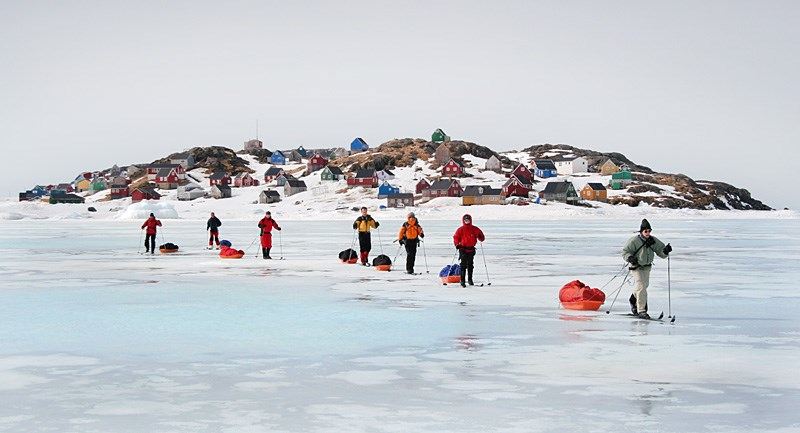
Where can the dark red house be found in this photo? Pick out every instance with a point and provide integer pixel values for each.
(517, 186)
(316, 162)
(144, 193)
(422, 185)
(219, 178)
(243, 180)
(364, 177)
(452, 169)
(119, 190)
(521, 171)
(444, 188)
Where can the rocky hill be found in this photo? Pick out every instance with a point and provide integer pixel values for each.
(215, 158)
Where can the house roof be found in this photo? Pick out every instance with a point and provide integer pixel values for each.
(295, 183)
(561, 158)
(544, 164)
(454, 162)
(163, 172)
(335, 170)
(222, 188)
(442, 184)
(271, 193)
(596, 186)
(401, 195)
(278, 152)
(423, 180)
(556, 187)
(360, 141)
(163, 165)
(242, 175)
(218, 175)
(273, 171)
(521, 179)
(365, 172)
(147, 190)
(478, 190)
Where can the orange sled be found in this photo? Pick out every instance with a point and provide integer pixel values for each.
(383, 267)
(450, 279)
(234, 256)
(582, 305)
(352, 261)
(168, 251)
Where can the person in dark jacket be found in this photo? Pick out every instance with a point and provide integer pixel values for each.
(150, 233)
(640, 251)
(410, 235)
(212, 226)
(266, 225)
(364, 224)
(465, 239)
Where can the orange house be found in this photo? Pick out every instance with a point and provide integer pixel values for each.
(594, 192)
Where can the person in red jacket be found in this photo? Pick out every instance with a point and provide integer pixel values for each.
(465, 239)
(150, 233)
(266, 225)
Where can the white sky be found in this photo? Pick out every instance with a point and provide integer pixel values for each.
(706, 88)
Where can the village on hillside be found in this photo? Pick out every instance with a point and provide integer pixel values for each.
(423, 172)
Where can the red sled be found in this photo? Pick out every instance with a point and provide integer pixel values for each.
(352, 261)
(578, 296)
(383, 267)
(451, 279)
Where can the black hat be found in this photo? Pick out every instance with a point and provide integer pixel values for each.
(645, 225)
(151, 214)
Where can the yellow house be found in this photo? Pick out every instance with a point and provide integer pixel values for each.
(608, 168)
(82, 185)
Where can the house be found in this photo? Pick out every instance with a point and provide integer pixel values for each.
(594, 192)
(562, 191)
(316, 162)
(38, 191)
(517, 186)
(621, 179)
(219, 178)
(27, 196)
(144, 192)
(82, 184)
(272, 173)
(114, 170)
(608, 167)
(190, 192)
(281, 180)
(359, 145)
(277, 158)
(152, 170)
(480, 195)
(522, 172)
(244, 180)
(120, 180)
(544, 168)
(184, 159)
(422, 185)
(365, 177)
(67, 188)
(269, 196)
(385, 189)
(338, 152)
(570, 164)
(119, 190)
(494, 164)
(400, 199)
(221, 191)
(166, 178)
(66, 198)
(331, 173)
(442, 154)
(293, 155)
(294, 186)
(384, 175)
(302, 152)
(452, 168)
(253, 144)
(439, 136)
(443, 188)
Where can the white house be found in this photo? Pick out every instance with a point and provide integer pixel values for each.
(190, 192)
(384, 175)
(570, 164)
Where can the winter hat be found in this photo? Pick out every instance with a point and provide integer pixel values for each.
(226, 243)
(466, 217)
(268, 213)
(645, 225)
(411, 215)
(151, 214)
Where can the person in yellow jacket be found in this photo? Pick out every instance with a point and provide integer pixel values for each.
(410, 235)
(364, 224)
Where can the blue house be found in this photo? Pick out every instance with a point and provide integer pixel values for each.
(38, 191)
(277, 158)
(544, 168)
(302, 151)
(385, 190)
(358, 145)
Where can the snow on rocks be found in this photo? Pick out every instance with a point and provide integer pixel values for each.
(143, 209)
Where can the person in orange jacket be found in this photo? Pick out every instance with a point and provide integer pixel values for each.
(410, 235)
(465, 239)
(150, 233)
(266, 225)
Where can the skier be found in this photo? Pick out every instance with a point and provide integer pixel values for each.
(266, 224)
(150, 233)
(640, 252)
(410, 235)
(465, 239)
(364, 224)
(213, 229)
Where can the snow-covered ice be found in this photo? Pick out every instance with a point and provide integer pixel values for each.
(95, 337)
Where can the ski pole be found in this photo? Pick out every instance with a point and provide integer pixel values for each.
(380, 240)
(669, 288)
(141, 233)
(427, 271)
(280, 242)
(397, 253)
(486, 268)
(618, 291)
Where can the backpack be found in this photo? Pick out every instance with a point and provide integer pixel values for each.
(169, 246)
(450, 270)
(226, 242)
(381, 260)
(348, 254)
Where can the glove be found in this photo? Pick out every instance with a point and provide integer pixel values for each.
(422, 235)
(377, 224)
(667, 249)
(355, 226)
(278, 228)
(633, 260)
(650, 241)
(402, 241)
(458, 247)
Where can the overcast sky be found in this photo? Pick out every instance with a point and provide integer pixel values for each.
(709, 89)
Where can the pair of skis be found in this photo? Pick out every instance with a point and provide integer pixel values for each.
(660, 317)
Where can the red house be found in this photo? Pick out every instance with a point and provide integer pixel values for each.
(119, 190)
(244, 179)
(316, 162)
(522, 171)
(167, 178)
(272, 173)
(422, 185)
(452, 168)
(219, 178)
(153, 169)
(145, 192)
(444, 188)
(517, 186)
(364, 177)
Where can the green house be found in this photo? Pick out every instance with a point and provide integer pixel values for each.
(99, 184)
(621, 179)
(439, 136)
(331, 173)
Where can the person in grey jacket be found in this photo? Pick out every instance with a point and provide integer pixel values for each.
(640, 251)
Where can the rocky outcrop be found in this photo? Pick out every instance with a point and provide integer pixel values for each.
(261, 155)
(216, 158)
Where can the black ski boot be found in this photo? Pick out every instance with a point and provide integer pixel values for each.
(644, 315)
(268, 256)
(469, 278)
(632, 301)
(264, 253)
(463, 277)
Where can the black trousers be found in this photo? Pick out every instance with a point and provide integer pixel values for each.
(364, 241)
(467, 257)
(411, 254)
(151, 239)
